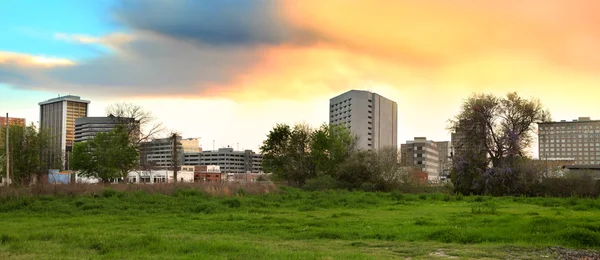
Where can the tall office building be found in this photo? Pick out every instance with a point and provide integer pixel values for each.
(369, 116)
(577, 140)
(422, 154)
(58, 116)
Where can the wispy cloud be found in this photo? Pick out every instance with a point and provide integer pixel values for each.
(26, 60)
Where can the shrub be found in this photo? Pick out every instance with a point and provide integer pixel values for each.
(323, 182)
(109, 192)
(232, 203)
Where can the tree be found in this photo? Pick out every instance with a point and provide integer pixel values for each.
(502, 127)
(286, 153)
(107, 156)
(330, 145)
(493, 131)
(140, 125)
(27, 146)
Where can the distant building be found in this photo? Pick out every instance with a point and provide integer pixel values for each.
(158, 153)
(58, 116)
(87, 127)
(159, 176)
(228, 160)
(578, 140)
(369, 116)
(422, 154)
(445, 159)
(12, 121)
(467, 140)
(205, 173)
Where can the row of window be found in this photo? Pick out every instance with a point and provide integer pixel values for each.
(570, 145)
(597, 126)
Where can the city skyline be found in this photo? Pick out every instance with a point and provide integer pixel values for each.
(233, 79)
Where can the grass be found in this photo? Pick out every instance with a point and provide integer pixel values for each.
(291, 224)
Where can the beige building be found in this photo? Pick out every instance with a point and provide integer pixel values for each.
(158, 153)
(58, 116)
(422, 154)
(370, 117)
(577, 140)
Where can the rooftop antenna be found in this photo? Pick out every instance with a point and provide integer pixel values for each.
(213, 144)
(238, 146)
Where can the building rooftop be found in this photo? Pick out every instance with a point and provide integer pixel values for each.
(63, 98)
(578, 120)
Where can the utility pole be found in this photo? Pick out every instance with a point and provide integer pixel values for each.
(7, 154)
(175, 158)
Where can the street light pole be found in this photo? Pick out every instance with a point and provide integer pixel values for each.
(7, 154)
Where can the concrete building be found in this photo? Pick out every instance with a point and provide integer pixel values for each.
(158, 153)
(229, 160)
(369, 116)
(87, 127)
(578, 140)
(422, 154)
(58, 116)
(445, 159)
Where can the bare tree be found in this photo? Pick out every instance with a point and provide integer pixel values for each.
(499, 127)
(140, 125)
(143, 126)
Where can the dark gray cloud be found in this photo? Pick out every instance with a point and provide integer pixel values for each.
(158, 65)
(218, 22)
(180, 47)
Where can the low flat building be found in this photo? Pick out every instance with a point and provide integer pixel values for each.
(160, 176)
(229, 160)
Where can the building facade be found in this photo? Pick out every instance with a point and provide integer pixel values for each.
(577, 140)
(422, 154)
(58, 116)
(87, 127)
(445, 159)
(12, 121)
(370, 117)
(158, 153)
(229, 160)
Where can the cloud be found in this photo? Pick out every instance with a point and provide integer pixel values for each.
(26, 60)
(214, 22)
(267, 49)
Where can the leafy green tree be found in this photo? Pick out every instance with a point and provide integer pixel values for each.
(27, 146)
(107, 156)
(286, 153)
(330, 146)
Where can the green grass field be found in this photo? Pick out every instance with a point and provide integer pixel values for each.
(293, 224)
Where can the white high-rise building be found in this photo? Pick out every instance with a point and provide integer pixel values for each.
(369, 116)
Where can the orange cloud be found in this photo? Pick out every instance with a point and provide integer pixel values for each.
(26, 60)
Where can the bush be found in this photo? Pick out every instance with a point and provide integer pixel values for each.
(233, 203)
(108, 192)
(324, 182)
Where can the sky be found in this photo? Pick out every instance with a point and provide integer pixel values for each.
(227, 70)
